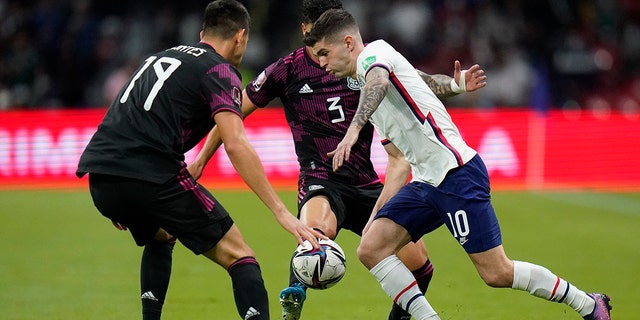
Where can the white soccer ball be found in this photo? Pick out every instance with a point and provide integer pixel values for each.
(319, 269)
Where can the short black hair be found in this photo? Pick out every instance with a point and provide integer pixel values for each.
(312, 9)
(223, 18)
(329, 25)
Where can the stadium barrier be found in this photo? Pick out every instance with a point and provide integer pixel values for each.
(522, 149)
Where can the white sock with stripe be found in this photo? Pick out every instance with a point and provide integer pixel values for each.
(400, 284)
(542, 283)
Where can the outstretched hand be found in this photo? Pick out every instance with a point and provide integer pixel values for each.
(474, 77)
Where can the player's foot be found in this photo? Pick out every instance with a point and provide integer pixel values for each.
(291, 300)
(601, 311)
(397, 313)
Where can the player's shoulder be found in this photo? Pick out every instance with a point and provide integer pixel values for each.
(198, 55)
(378, 47)
(289, 65)
(377, 52)
(205, 59)
(292, 60)
(294, 56)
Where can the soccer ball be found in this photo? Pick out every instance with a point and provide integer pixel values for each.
(319, 269)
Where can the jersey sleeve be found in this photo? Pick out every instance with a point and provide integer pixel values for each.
(269, 84)
(377, 54)
(383, 138)
(222, 89)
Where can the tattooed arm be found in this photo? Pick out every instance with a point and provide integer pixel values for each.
(376, 85)
(440, 84)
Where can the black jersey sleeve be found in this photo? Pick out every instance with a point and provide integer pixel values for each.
(222, 87)
(269, 84)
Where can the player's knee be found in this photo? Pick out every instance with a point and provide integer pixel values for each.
(170, 242)
(327, 227)
(163, 236)
(497, 278)
(240, 250)
(367, 255)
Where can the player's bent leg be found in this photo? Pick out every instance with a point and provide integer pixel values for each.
(316, 213)
(383, 239)
(498, 271)
(377, 252)
(494, 267)
(414, 256)
(250, 294)
(230, 248)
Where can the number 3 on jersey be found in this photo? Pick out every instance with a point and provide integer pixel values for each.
(161, 73)
(334, 106)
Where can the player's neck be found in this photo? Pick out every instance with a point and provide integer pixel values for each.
(222, 47)
(311, 55)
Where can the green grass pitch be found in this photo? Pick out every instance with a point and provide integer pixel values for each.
(62, 260)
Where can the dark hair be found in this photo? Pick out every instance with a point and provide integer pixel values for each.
(329, 25)
(223, 18)
(312, 9)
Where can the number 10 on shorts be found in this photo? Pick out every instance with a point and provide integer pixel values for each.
(459, 225)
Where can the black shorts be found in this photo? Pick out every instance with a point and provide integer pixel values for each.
(180, 206)
(352, 205)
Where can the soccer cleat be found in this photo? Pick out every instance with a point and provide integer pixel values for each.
(602, 308)
(291, 300)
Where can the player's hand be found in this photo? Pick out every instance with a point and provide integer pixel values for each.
(300, 230)
(343, 150)
(195, 170)
(474, 77)
(119, 225)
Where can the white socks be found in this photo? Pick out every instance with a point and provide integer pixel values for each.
(542, 283)
(400, 284)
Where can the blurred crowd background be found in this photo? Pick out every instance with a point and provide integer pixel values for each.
(542, 54)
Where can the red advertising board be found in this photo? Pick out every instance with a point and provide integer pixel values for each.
(521, 148)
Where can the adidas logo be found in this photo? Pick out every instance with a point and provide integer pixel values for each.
(250, 313)
(306, 89)
(148, 295)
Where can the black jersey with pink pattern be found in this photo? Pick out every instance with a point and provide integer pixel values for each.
(319, 108)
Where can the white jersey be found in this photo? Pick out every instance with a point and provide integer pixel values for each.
(413, 118)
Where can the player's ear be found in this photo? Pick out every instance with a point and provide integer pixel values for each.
(240, 36)
(348, 42)
(306, 28)
(201, 34)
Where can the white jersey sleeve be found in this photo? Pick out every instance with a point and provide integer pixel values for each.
(413, 118)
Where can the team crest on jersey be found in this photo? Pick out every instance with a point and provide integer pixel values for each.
(368, 62)
(237, 96)
(353, 84)
(257, 84)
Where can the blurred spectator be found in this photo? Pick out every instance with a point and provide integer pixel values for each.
(542, 54)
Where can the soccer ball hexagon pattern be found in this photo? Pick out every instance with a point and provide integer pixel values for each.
(319, 269)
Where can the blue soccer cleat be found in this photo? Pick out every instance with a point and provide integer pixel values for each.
(291, 300)
(602, 308)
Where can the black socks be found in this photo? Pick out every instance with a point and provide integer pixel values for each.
(155, 271)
